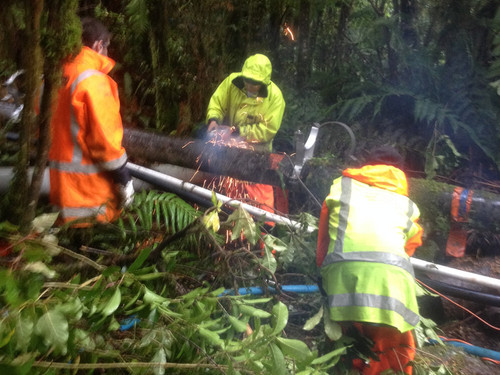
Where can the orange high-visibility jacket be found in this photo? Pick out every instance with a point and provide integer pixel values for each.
(87, 134)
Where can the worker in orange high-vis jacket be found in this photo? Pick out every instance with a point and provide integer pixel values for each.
(247, 105)
(367, 231)
(88, 178)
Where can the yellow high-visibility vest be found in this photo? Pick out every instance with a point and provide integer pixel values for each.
(366, 273)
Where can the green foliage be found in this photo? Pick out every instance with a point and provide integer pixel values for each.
(62, 32)
(76, 324)
(409, 88)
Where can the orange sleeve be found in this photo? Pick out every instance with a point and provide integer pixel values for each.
(323, 235)
(415, 241)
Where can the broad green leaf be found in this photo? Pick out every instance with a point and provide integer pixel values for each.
(217, 204)
(211, 221)
(6, 336)
(211, 336)
(43, 222)
(314, 321)
(311, 371)
(168, 312)
(249, 301)
(280, 317)
(278, 364)
(72, 309)
(152, 298)
(217, 292)
(133, 300)
(195, 293)
(252, 311)
(268, 260)
(237, 324)
(274, 243)
(243, 223)
(24, 330)
(332, 329)
(210, 322)
(296, 349)
(140, 260)
(333, 354)
(21, 365)
(11, 292)
(109, 307)
(111, 270)
(41, 268)
(159, 357)
(113, 325)
(52, 327)
(6, 226)
(83, 340)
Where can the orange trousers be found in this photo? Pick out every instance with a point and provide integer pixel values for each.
(264, 194)
(261, 194)
(395, 349)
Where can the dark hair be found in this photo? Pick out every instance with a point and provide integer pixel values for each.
(93, 30)
(387, 155)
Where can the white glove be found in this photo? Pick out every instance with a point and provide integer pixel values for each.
(126, 193)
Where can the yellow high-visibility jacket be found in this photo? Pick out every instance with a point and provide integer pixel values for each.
(257, 118)
(87, 137)
(368, 229)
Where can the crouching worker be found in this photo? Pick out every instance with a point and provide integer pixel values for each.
(368, 230)
(88, 178)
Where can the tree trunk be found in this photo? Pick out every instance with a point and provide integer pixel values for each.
(303, 59)
(32, 64)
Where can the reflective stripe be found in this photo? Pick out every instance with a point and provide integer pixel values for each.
(82, 212)
(82, 76)
(370, 256)
(74, 167)
(411, 208)
(345, 199)
(88, 168)
(373, 300)
(114, 164)
(75, 126)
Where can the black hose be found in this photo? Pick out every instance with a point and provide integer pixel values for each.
(464, 293)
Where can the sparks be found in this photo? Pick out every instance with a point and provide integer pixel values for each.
(187, 144)
(288, 32)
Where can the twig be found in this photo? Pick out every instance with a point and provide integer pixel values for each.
(92, 366)
(81, 258)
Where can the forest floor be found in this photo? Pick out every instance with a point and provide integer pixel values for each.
(459, 324)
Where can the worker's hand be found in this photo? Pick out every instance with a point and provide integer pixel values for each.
(212, 126)
(126, 193)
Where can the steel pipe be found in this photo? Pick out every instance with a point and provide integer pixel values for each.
(168, 182)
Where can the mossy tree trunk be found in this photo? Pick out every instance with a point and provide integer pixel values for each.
(32, 64)
(59, 38)
(62, 35)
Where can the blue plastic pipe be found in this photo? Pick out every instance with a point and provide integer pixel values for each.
(257, 290)
(471, 349)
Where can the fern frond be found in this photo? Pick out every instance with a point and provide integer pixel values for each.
(162, 211)
(138, 13)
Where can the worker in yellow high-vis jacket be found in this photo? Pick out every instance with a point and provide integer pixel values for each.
(368, 230)
(250, 106)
